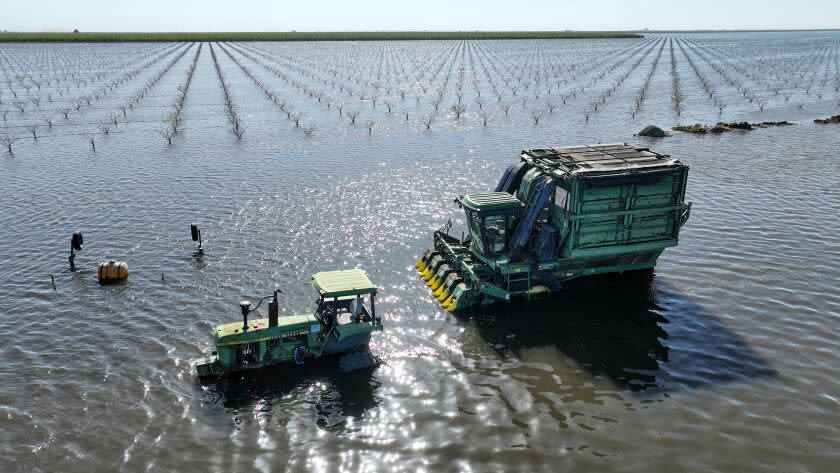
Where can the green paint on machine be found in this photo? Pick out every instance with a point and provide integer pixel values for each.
(558, 214)
(342, 324)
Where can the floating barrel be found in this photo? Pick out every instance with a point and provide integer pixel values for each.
(113, 271)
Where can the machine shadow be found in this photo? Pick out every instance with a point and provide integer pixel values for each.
(636, 329)
(338, 394)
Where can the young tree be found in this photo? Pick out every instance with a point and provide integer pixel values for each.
(458, 109)
(352, 115)
(427, 120)
(167, 134)
(7, 141)
(175, 121)
(295, 117)
(90, 137)
(536, 115)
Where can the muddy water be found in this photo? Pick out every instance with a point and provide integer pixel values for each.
(723, 360)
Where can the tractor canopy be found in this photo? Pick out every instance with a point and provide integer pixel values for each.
(342, 300)
(342, 283)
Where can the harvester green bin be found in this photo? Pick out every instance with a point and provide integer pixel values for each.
(559, 213)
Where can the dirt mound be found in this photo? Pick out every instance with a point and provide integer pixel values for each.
(826, 121)
(721, 127)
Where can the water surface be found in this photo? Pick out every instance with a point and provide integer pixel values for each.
(723, 360)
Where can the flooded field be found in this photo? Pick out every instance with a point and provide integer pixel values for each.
(299, 157)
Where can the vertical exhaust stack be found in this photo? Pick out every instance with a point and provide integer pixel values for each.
(245, 307)
(273, 310)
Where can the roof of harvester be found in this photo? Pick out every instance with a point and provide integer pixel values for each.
(599, 158)
(491, 201)
(346, 282)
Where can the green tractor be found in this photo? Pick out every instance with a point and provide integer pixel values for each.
(341, 325)
(559, 213)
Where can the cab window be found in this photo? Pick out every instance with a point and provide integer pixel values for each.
(561, 198)
(494, 227)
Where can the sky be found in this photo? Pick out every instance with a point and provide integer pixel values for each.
(396, 15)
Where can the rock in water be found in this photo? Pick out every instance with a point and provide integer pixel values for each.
(652, 131)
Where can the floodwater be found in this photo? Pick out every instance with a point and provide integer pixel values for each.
(724, 360)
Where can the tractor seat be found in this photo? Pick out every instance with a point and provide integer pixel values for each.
(345, 318)
(359, 311)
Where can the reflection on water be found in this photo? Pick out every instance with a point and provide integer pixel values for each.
(617, 326)
(333, 395)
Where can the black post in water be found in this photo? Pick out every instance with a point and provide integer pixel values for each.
(195, 233)
(76, 242)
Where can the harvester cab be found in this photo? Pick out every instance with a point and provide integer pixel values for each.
(491, 217)
(557, 214)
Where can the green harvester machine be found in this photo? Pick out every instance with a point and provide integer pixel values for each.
(341, 325)
(558, 214)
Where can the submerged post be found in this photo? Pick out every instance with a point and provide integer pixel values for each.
(195, 233)
(76, 242)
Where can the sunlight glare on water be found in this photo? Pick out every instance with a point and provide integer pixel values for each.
(723, 360)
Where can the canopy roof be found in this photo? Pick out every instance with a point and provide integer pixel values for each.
(598, 158)
(491, 201)
(346, 282)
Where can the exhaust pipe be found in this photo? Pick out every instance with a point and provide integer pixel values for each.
(273, 311)
(245, 307)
